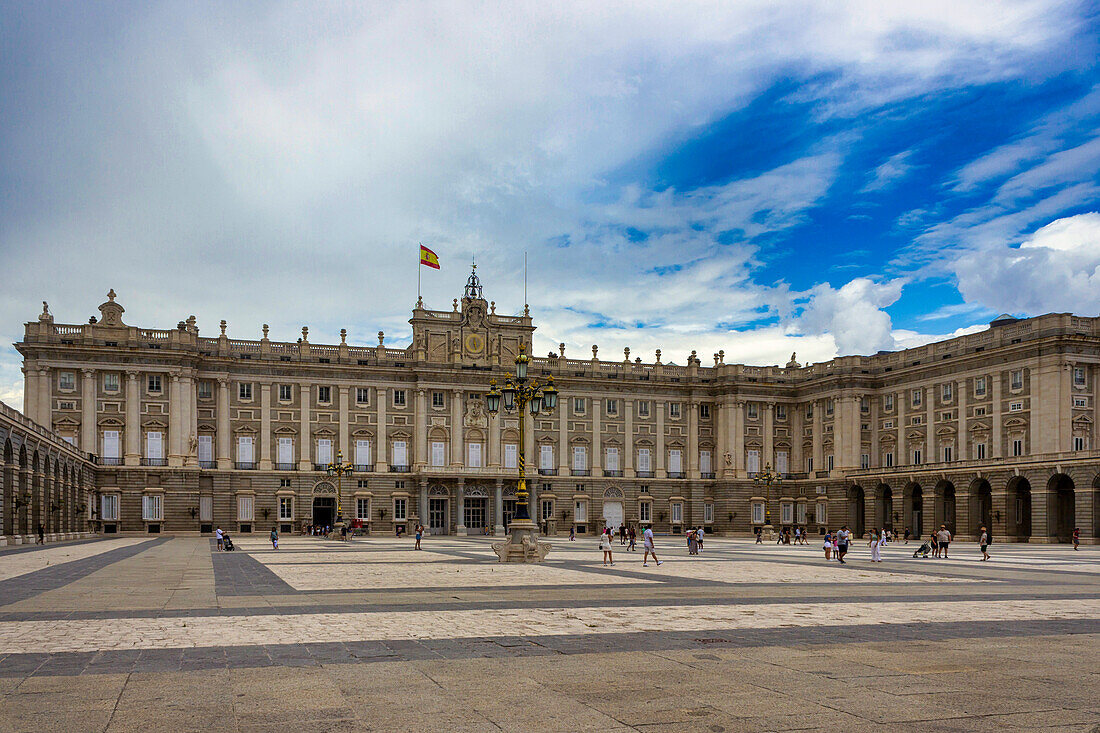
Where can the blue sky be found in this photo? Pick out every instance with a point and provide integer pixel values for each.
(756, 177)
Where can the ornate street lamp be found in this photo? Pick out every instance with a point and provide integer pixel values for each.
(338, 469)
(517, 396)
(766, 478)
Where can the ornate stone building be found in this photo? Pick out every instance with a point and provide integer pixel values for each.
(190, 432)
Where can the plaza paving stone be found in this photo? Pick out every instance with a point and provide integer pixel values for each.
(168, 634)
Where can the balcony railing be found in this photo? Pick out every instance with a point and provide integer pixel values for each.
(676, 474)
(581, 472)
(706, 474)
(245, 465)
(644, 474)
(320, 466)
(154, 461)
(611, 473)
(363, 467)
(208, 464)
(286, 466)
(548, 472)
(103, 461)
(398, 469)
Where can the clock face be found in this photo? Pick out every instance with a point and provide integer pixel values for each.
(474, 343)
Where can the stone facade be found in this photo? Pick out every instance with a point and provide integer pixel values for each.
(191, 432)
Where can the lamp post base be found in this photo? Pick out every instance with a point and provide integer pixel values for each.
(522, 544)
(769, 532)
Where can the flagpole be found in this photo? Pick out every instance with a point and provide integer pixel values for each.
(418, 268)
(525, 279)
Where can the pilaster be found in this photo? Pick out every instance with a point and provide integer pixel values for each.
(265, 427)
(88, 410)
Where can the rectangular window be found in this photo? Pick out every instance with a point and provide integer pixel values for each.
(864, 461)
(800, 513)
(829, 462)
(511, 451)
(612, 408)
(674, 410)
(979, 386)
(753, 411)
(780, 412)
(947, 392)
(546, 509)
(821, 513)
(324, 395)
(245, 508)
(830, 407)
(473, 455)
(108, 507)
(546, 456)
(284, 483)
(752, 462)
(362, 395)
(645, 511)
(1018, 447)
(1017, 378)
(675, 461)
(286, 392)
(888, 459)
(758, 512)
(786, 513)
(917, 456)
(948, 453)
(809, 411)
(643, 408)
(864, 404)
(887, 424)
(286, 507)
(580, 458)
(244, 391)
(324, 450)
(110, 444)
(917, 396)
(399, 398)
(152, 384)
(1079, 442)
(704, 412)
(206, 508)
(704, 462)
(1015, 406)
(285, 452)
(362, 452)
(206, 449)
(66, 381)
(809, 463)
(916, 420)
(110, 382)
(946, 415)
(979, 411)
(708, 513)
(578, 405)
(400, 453)
(244, 448)
(644, 463)
(437, 400)
(439, 453)
(1080, 402)
(888, 402)
(154, 444)
(677, 512)
(580, 511)
(204, 390)
(152, 508)
(1079, 376)
(782, 461)
(362, 509)
(979, 451)
(611, 459)
(400, 510)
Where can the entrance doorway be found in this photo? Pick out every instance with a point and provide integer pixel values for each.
(916, 521)
(613, 514)
(324, 511)
(509, 511)
(856, 507)
(437, 516)
(884, 508)
(474, 515)
(1063, 508)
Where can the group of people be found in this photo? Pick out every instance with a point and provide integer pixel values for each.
(786, 536)
(695, 540)
(606, 543)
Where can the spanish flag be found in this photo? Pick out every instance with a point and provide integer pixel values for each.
(429, 258)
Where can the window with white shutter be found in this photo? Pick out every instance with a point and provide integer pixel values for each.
(151, 508)
(644, 462)
(546, 456)
(473, 455)
(324, 450)
(439, 453)
(782, 461)
(245, 506)
(110, 444)
(580, 511)
(286, 451)
(821, 512)
(580, 458)
(206, 449)
(675, 461)
(400, 453)
(154, 445)
(510, 453)
(244, 448)
(108, 507)
(704, 461)
(206, 508)
(677, 512)
(611, 459)
(752, 462)
(362, 452)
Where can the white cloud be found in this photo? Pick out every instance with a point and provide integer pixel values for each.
(890, 172)
(852, 314)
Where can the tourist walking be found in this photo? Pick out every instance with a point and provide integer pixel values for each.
(605, 545)
(907, 533)
(934, 544)
(573, 533)
(41, 535)
(419, 535)
(1076, 538)
(693, 542)
(759, 536)
(632, 535)
(983, 543)
(622, 534)
(648, 549)
(274, 539)
(827, 545)
(699, 540)
(220, 537)
(944, 538)
(875, 544)
(843, 537)
(885, 538)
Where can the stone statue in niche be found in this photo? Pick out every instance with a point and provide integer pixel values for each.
(728, 459)
(475, 415)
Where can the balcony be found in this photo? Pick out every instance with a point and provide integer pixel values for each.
(706, 475)
(245, 465)
(109, 461)
(676, 474)
(644, 474)
(580, 472)
(320, 467)
(154, 461)
(612, 474)
(363, 467)
(208, 464)
(286, 466)
(821, 474)
(548, 472)
(398, 469)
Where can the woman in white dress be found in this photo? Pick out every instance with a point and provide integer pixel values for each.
(875, 543)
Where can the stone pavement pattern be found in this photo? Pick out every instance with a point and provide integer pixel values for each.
(166, 634)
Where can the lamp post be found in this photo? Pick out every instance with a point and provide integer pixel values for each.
(338, 469)
(766, 478)
(537, 398)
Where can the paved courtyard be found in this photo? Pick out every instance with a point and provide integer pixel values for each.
(167, 634)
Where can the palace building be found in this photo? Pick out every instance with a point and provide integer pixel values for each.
(139, 430)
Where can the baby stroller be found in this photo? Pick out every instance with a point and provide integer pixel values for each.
(228, 544)
(923, 550)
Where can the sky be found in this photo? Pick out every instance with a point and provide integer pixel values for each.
(762, 178)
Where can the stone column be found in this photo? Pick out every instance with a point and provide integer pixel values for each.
(88, 410)
(693, 446)
(460, 525)
(345, 447)
(995, 421)
(873, 454)
(420, 421)
(628, 440)
(598, 403)
(189, 409)
(769, 435)
(457, 458)
(962, 445)
(795, 415)
(1064, 431)
(498, 508)
(422, 510)
(659, 458)
(563, 440)
(737, 428)
(30, 392)
(45, 402)
(265, 427)
(382, 451)
(225, 453)
(931, 454)
(902, 458)
(819, 436)
(305, 421)
(531, 469)
(175, 422)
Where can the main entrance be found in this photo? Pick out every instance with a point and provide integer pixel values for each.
(324, 511)
(437, 516)
(509, 511)
(474, 515)
(613, 514)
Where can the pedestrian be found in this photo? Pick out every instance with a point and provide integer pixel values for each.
(274, 539)
(907, 535)
(573, 533)
(983, 543)
(220, 537)
(934, 544)
(41, 535)
(836, 546)
(692, 542)
(944, 537)
(843, 537)
(605, 545)
(875, 543)
(632, 535)
(884, 539)
(647, 545)
(759, 536)
(622, 534)
(827, 545)
(419, 534)
(699, 540)
(1077, 538)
